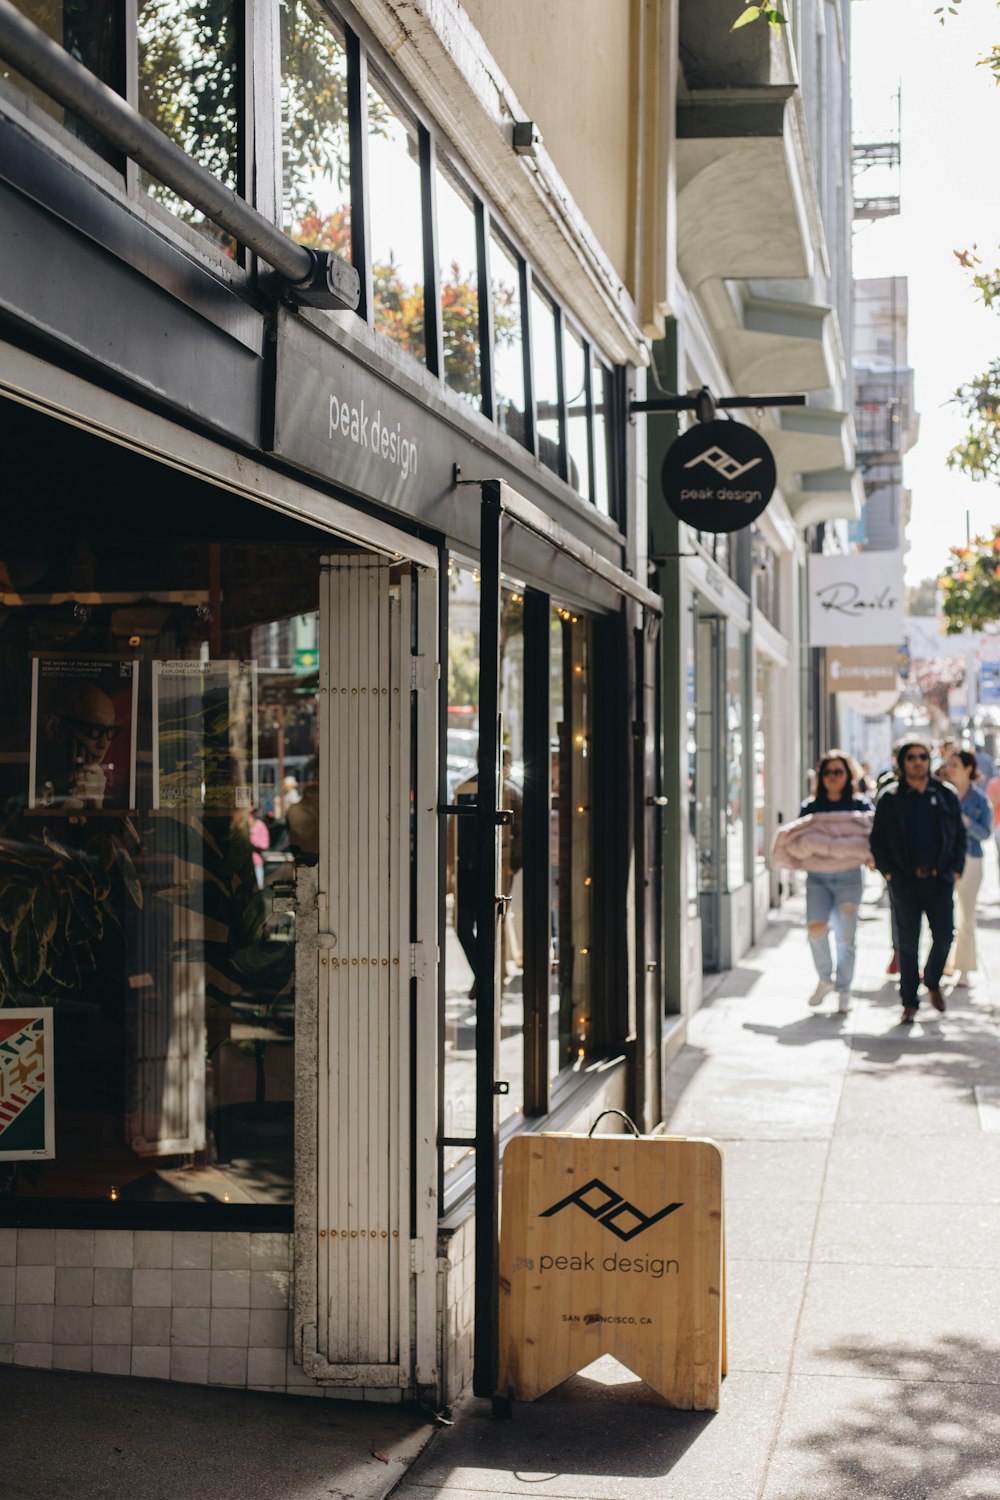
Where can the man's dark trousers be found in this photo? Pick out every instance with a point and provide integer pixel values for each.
(911, 899)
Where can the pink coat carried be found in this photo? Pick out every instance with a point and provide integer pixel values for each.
(824, 842)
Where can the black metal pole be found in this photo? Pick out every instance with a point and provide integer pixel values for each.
(537, 815)
(695, 399)
(486, 1343)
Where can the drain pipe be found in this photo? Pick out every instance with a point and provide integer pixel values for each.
(316, 278)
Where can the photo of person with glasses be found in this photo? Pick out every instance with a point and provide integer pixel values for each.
(919, 846)
(81, 749)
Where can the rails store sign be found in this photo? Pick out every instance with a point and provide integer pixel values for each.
(718, 476)
(612, 1245)
(856, 599)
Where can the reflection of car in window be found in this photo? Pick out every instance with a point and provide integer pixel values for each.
(463, 745)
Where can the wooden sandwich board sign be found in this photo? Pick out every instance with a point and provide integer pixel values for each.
(613, 1245)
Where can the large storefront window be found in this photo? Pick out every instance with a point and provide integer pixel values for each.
(459, 280)
(577, 411)
(761, 704)
(189, 86)
(315, 143)
(691, 751)
(600, 381)
(571, 893)
(158, 787)
(396, 225)
(545, 367)
(92, 33)
(735, 788)
(508, 341)
(462, 864)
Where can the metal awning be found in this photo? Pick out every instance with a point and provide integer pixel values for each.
(514, 508)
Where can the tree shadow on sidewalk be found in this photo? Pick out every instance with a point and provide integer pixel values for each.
(920, 1420)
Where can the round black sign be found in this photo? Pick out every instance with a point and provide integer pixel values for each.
(718, 476)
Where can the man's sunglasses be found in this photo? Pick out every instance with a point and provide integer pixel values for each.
(94, 731)
(917, 755)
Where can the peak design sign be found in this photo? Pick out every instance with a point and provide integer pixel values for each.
(613, 1209)
(719, 476)
(573, 1287)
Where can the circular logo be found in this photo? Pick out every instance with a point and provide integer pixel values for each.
(718, 476)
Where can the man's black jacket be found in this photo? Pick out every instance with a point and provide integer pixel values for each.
(890, 845)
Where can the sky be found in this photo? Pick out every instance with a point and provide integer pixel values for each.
(950, 112)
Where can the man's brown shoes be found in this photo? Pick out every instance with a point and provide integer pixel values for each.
(936, 998)
(909, 1015)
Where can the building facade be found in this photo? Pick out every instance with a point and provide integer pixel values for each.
(761, 306)
(370, 792)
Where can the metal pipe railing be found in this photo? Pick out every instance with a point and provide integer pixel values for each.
(315, 277)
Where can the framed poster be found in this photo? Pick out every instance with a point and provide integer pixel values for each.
(27, 1108)
(205, 736)
(83, 733)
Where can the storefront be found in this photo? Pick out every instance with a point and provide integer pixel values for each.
(327, 858)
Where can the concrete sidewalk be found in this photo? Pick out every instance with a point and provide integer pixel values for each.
(105, 1437)
(863, 1237)
(863, 1226)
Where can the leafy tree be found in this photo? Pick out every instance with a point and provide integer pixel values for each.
(970, 585)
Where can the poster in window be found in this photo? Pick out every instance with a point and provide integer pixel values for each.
(205, 736)
(27, 1112)
(83, 733)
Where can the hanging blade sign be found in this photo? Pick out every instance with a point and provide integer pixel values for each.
(718, 476)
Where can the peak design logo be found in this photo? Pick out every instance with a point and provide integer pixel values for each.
(718, 476)
(614, 1212)
(719, 460)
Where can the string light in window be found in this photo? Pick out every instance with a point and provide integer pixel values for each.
(114, 1195)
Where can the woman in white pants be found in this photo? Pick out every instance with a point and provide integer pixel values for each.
(962, 771)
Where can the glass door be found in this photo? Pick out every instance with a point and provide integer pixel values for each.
(709, 783)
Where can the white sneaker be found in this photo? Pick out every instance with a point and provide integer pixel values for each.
(843, 1003)
(819, 994)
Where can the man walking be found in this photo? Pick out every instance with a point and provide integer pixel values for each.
(918, 844)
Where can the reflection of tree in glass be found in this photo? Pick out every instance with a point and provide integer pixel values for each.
(315, 140)
(460, 332)
(188, 87)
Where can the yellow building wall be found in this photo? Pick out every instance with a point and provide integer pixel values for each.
(570, 64)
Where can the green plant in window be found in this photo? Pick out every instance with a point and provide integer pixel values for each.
(229, 915)
(58, 906)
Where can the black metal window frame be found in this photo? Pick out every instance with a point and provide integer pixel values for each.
(436, 152)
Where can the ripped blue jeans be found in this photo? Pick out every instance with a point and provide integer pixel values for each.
(832, 903)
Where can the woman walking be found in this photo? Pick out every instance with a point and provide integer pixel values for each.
(962, 770)
(832, 850)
